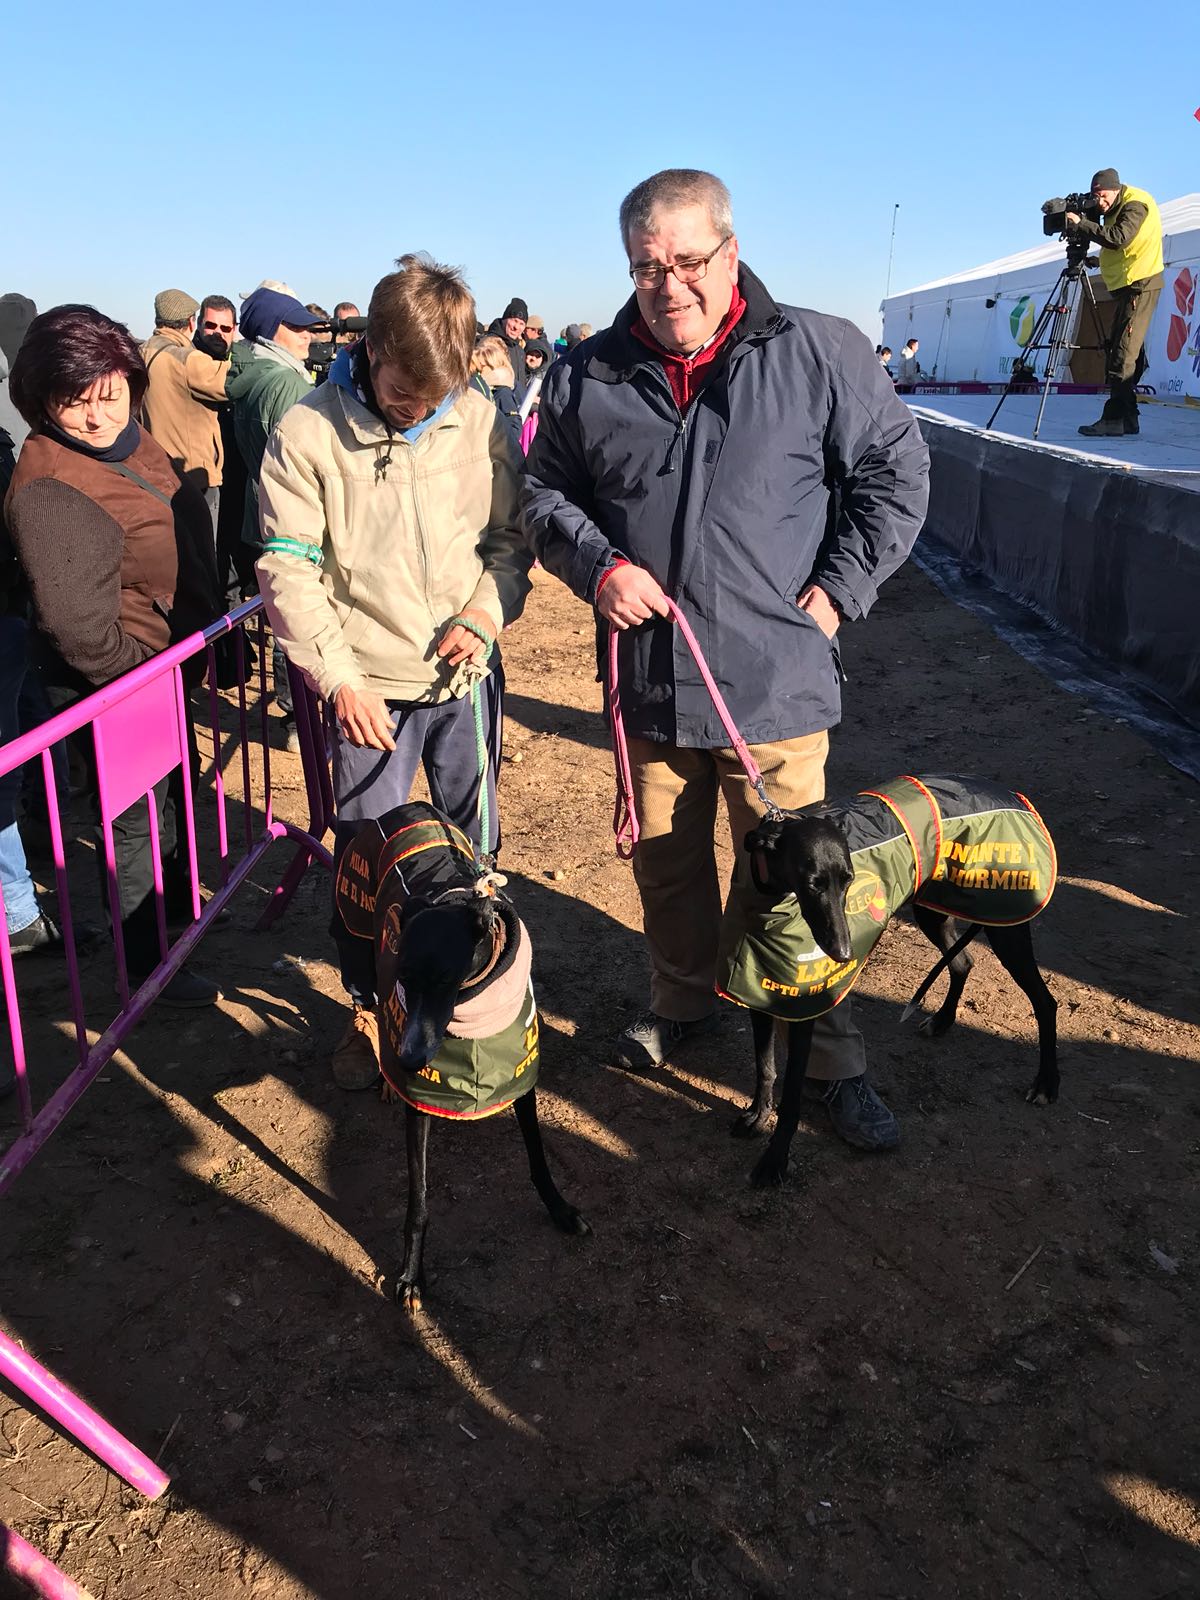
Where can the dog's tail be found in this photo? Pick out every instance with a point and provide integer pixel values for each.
(959, 945)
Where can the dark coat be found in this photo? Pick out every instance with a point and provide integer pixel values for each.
(796, 463)
(516, 354)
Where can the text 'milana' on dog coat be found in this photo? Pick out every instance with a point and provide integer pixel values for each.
(414, 851)
(970, 849)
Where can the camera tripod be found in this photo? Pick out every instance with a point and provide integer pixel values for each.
(1057, 319)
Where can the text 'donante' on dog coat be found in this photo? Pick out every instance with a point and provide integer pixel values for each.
(490, 1054)
(966, 848)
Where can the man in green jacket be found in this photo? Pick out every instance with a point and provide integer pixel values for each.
(269, 377)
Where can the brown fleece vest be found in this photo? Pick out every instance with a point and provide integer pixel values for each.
(149, 559)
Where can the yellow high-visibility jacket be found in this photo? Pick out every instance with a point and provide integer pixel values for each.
(1127, 257)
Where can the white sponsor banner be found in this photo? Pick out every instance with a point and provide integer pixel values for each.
(1173, 343)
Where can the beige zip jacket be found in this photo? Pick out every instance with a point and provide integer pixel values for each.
(407, 536)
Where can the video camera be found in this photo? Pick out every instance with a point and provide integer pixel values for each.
(325, 343)
(1054, 221)
(1054, 212)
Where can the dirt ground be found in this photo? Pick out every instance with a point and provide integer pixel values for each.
(846, 1388)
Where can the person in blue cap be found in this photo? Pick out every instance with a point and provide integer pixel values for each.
(269, 377)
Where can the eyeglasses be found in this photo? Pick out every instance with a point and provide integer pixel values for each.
(217, 327)
(649, 274)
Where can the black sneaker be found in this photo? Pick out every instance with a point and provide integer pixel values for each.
(187, 989)
(649, 1041)
(180, 918)
(857, 1113)
(44, 938)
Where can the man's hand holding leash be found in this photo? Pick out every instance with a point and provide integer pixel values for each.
(363, 716)
(630, 595)
(460, 643)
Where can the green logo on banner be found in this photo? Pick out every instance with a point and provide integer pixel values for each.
(1021, 321)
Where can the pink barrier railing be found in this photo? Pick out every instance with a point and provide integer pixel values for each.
(139, 730)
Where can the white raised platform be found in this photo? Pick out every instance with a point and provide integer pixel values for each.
(1101, 537)
(1169, 442)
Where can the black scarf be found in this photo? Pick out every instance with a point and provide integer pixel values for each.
(211, 344)
(120, 449)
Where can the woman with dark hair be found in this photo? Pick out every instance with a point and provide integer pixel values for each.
(117, 553)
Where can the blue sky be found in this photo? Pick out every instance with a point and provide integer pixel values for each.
(147, 148)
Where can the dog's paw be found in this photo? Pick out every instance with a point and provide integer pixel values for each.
(1040, 1094)
(408, 1296)
(569, 1221)
(770, 1171)
(749, 1124)
(934, 1025)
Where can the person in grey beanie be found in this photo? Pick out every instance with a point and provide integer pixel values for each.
(1131, 264)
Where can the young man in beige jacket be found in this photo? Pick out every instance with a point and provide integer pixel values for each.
(391, 562)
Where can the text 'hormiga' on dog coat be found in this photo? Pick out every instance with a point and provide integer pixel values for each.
(970, 849)
(490, 1054)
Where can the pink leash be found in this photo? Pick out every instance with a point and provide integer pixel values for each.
(625, 822)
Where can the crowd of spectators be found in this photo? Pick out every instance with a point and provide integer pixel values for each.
(138, 465)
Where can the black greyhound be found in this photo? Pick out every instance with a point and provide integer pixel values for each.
(809, 855)
(445, 941)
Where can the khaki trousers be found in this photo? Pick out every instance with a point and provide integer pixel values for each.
(1127, 349)
(675, 792)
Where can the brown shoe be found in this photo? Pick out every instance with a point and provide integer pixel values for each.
(355, 1062)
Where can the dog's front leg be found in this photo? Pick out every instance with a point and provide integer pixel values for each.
(753, 1121)
(564, 1214)
(773, 1165)
(411, 1283)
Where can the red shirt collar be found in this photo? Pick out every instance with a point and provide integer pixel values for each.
(681, 371)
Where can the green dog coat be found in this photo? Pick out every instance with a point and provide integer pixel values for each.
(489, 1056)
(972, 850)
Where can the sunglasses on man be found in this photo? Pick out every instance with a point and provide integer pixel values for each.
(217, 327)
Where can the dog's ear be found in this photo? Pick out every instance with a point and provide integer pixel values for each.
(765, 836)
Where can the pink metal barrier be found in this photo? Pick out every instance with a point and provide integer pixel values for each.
(138, 732)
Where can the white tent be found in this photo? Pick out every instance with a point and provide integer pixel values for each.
(974, 325)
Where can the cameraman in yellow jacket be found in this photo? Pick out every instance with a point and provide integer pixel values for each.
(1131, 264)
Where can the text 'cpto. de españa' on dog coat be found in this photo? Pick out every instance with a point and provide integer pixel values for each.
(413, 853)
(972, 850)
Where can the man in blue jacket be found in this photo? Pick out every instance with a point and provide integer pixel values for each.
(752, 461)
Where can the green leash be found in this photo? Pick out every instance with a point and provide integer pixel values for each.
(481, 753)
